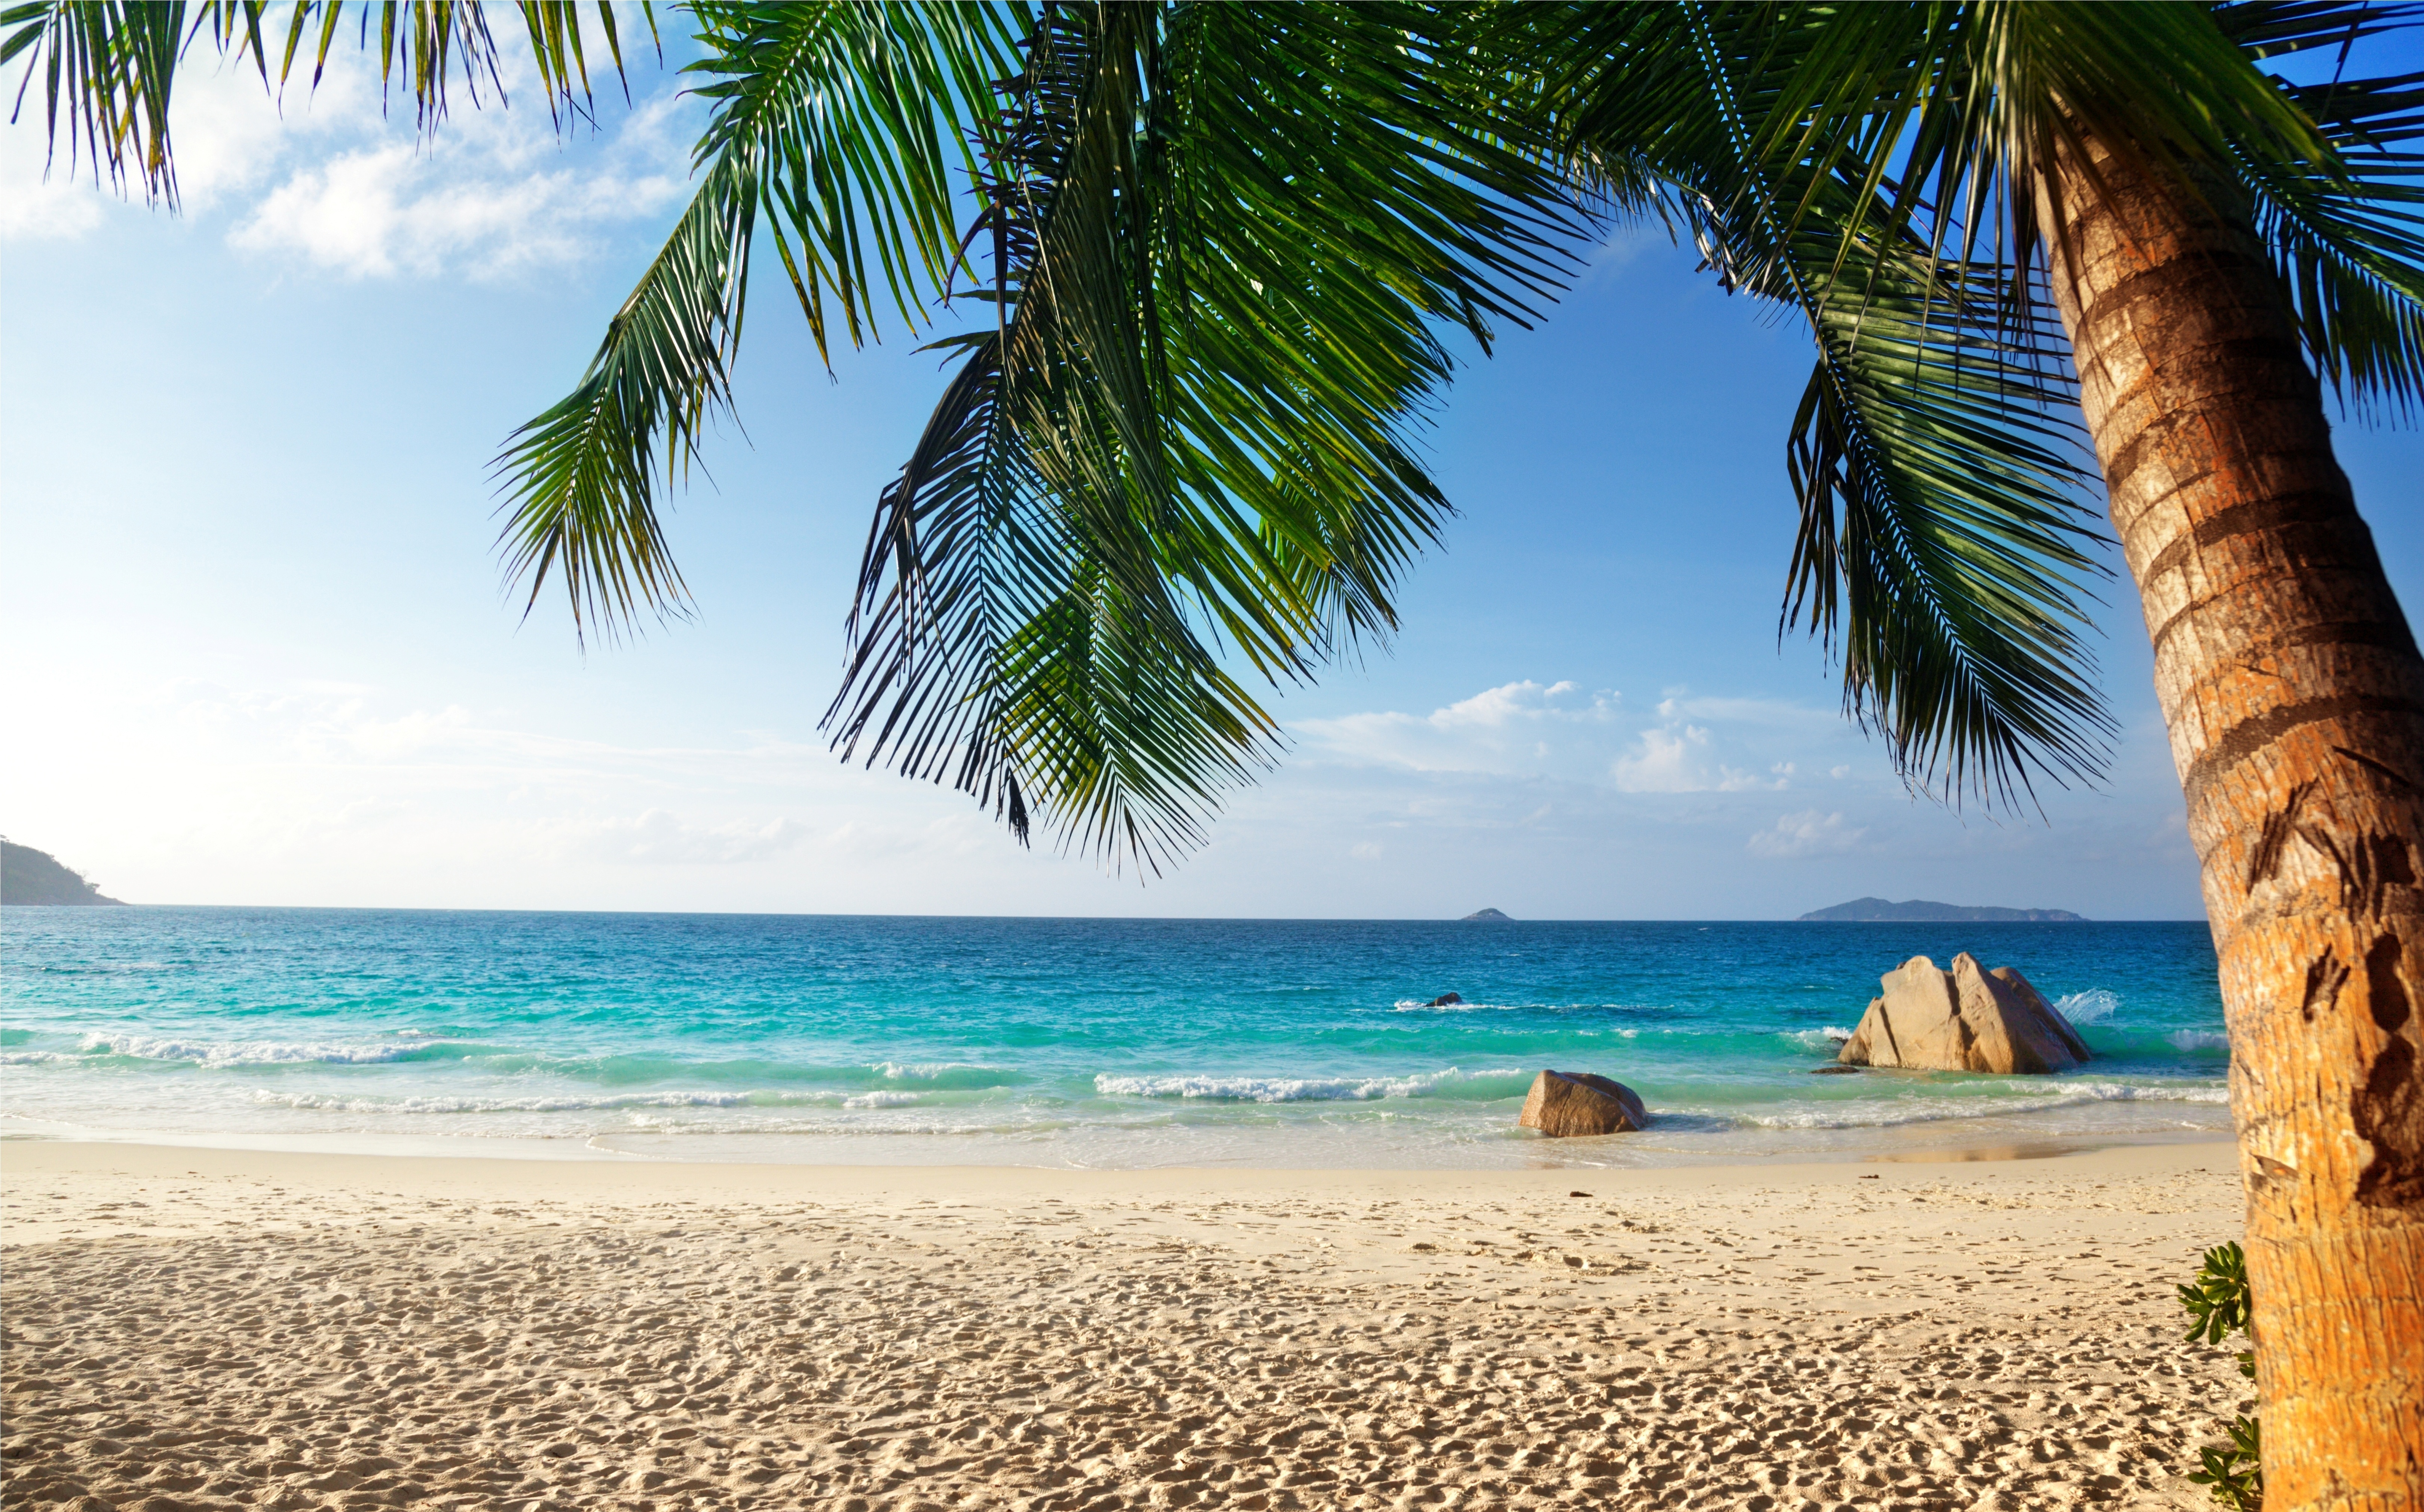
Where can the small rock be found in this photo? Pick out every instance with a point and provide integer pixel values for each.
(1565, 1104)
(1443, 1000)
(1836, 1071)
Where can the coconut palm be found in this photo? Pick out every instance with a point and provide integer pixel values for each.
(1194, 266)
(1986, 209)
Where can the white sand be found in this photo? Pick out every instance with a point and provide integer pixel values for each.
(204, 1329)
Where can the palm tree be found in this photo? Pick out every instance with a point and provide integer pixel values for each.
(1940, 188)
(1211, 252)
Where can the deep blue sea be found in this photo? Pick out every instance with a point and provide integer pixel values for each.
(1051, 1041)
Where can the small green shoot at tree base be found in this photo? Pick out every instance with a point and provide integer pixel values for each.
(2217, 1306)
(2233, 1471)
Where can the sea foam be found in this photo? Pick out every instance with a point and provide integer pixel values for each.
(1996, 1104)
(1314, 1089)
(214, 1054)
(2094, 1006)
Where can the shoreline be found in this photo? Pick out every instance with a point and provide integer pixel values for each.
(1611, 1154)
(234, 1329)
(425, 1173)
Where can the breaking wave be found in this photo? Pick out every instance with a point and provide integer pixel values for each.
(2093, 1006)
(1898, 1111)
(1452, 1082)
(404, 1046)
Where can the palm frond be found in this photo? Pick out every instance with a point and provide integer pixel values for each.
(109, 67)
(1939, 481)
(106, 71)
(1972, 106)
(1015, 632)
(834, 125)
(2347, 236)
(581, 477)
(1943, 543)
(1223, 239)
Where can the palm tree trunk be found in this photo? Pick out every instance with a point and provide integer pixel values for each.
(2294, 696)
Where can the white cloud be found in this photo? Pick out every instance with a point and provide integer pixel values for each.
(1552, 731)
(342, 180)
(1667, 762)
(41, 197)
(228, 134)
(1494, 707)
(1516, 728)
(1673, 759)
(491, 194)
(1807, 834)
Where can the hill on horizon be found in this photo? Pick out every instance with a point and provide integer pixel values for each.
(1920, 910)
(37, 878)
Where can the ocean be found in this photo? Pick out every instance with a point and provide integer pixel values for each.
(1045, 1041)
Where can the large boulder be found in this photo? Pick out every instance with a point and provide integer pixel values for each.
(1568, 1103)
(1965, 1019)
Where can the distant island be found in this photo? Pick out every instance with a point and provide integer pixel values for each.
(1487, 915)
(1919, 911)
(31, 877)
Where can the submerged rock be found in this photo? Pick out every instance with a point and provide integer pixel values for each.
(1568, 1103)
(1965, 1019)
(1444, 1000)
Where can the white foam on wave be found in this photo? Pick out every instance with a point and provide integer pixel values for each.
(2199, 1040)
(576, 1102)
(2093, 1006)
(325, 1102)
(36, 1058)
(1825, 1039)
(930, 1070)
(1867, 1114)
(1294, 1089)
(255, 1052)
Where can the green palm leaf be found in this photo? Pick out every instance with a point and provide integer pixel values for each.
(1222, 238)
(1943, 542)
(834, 126)
(109, 67)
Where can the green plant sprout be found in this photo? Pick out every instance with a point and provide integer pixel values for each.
(2218, 1307)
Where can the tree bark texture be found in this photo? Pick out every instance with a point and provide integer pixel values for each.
(2294, 696)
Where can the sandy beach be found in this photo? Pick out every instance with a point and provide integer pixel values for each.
(190, 1327)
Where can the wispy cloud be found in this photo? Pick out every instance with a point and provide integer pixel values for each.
(336, 179)
(490, 197)
(1532, 729)
(1516, 728)
(1808, 833)
(1676, 759)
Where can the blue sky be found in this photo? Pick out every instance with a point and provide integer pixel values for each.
(260, 654)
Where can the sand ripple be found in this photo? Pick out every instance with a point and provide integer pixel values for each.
(240, 1337)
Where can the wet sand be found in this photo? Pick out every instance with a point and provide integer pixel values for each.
(209, 1329)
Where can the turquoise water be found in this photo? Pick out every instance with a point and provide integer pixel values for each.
(1049, 1042)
